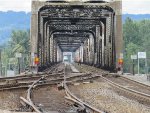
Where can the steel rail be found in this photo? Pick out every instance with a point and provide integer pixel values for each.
(147, 96)
(78, 78)
(127, 89)
(72, 97)
(28, 100)
(137, 82)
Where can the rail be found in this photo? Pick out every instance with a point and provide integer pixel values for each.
(127, 89)
(69, 95)
(72, 97)
(28, 100)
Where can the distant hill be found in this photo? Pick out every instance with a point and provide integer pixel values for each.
(12, 20)
(135, 17)
(20, 20)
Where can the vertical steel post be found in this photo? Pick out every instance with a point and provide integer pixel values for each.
(19, 65)
(133, 67)
(138, 66)
(146, 70)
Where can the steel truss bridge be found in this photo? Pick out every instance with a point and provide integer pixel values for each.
(92, 30)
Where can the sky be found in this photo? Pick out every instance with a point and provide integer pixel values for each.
(128, 6)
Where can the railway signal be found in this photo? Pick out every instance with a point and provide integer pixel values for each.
(120, 61)
(120, 64)
(36, 60)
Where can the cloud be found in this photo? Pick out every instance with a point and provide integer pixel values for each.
(136, 6)
(15, 5)
(130, 7)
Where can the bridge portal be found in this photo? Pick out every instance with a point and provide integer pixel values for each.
(91, 29)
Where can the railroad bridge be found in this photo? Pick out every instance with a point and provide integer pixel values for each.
(91, 30)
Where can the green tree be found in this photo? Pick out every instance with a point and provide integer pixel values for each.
(131, 32)
(18, 43)
(131, 49)
(136, 35)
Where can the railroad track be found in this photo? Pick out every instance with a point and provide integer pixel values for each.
(42, 81)
(129, 83)
(23, 82)
(48, 80)
(57, 68)
(84, 107)
(130, 88)
(65, 79)
(32, 76)
(81, 106)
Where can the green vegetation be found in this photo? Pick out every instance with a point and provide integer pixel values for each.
(18, 43)
(136, 36)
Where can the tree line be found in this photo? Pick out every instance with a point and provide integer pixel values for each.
(18, 43)
(136, 36)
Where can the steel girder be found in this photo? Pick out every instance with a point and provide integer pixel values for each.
(65, 25)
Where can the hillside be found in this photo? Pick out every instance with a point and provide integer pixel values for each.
(20, 20)
(12, 20)
(136, 17)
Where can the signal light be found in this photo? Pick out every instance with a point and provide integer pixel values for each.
(120, 61)
(36, 60)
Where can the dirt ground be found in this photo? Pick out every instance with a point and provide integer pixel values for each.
(10, 99)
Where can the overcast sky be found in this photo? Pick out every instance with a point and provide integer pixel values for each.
(129, 6)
